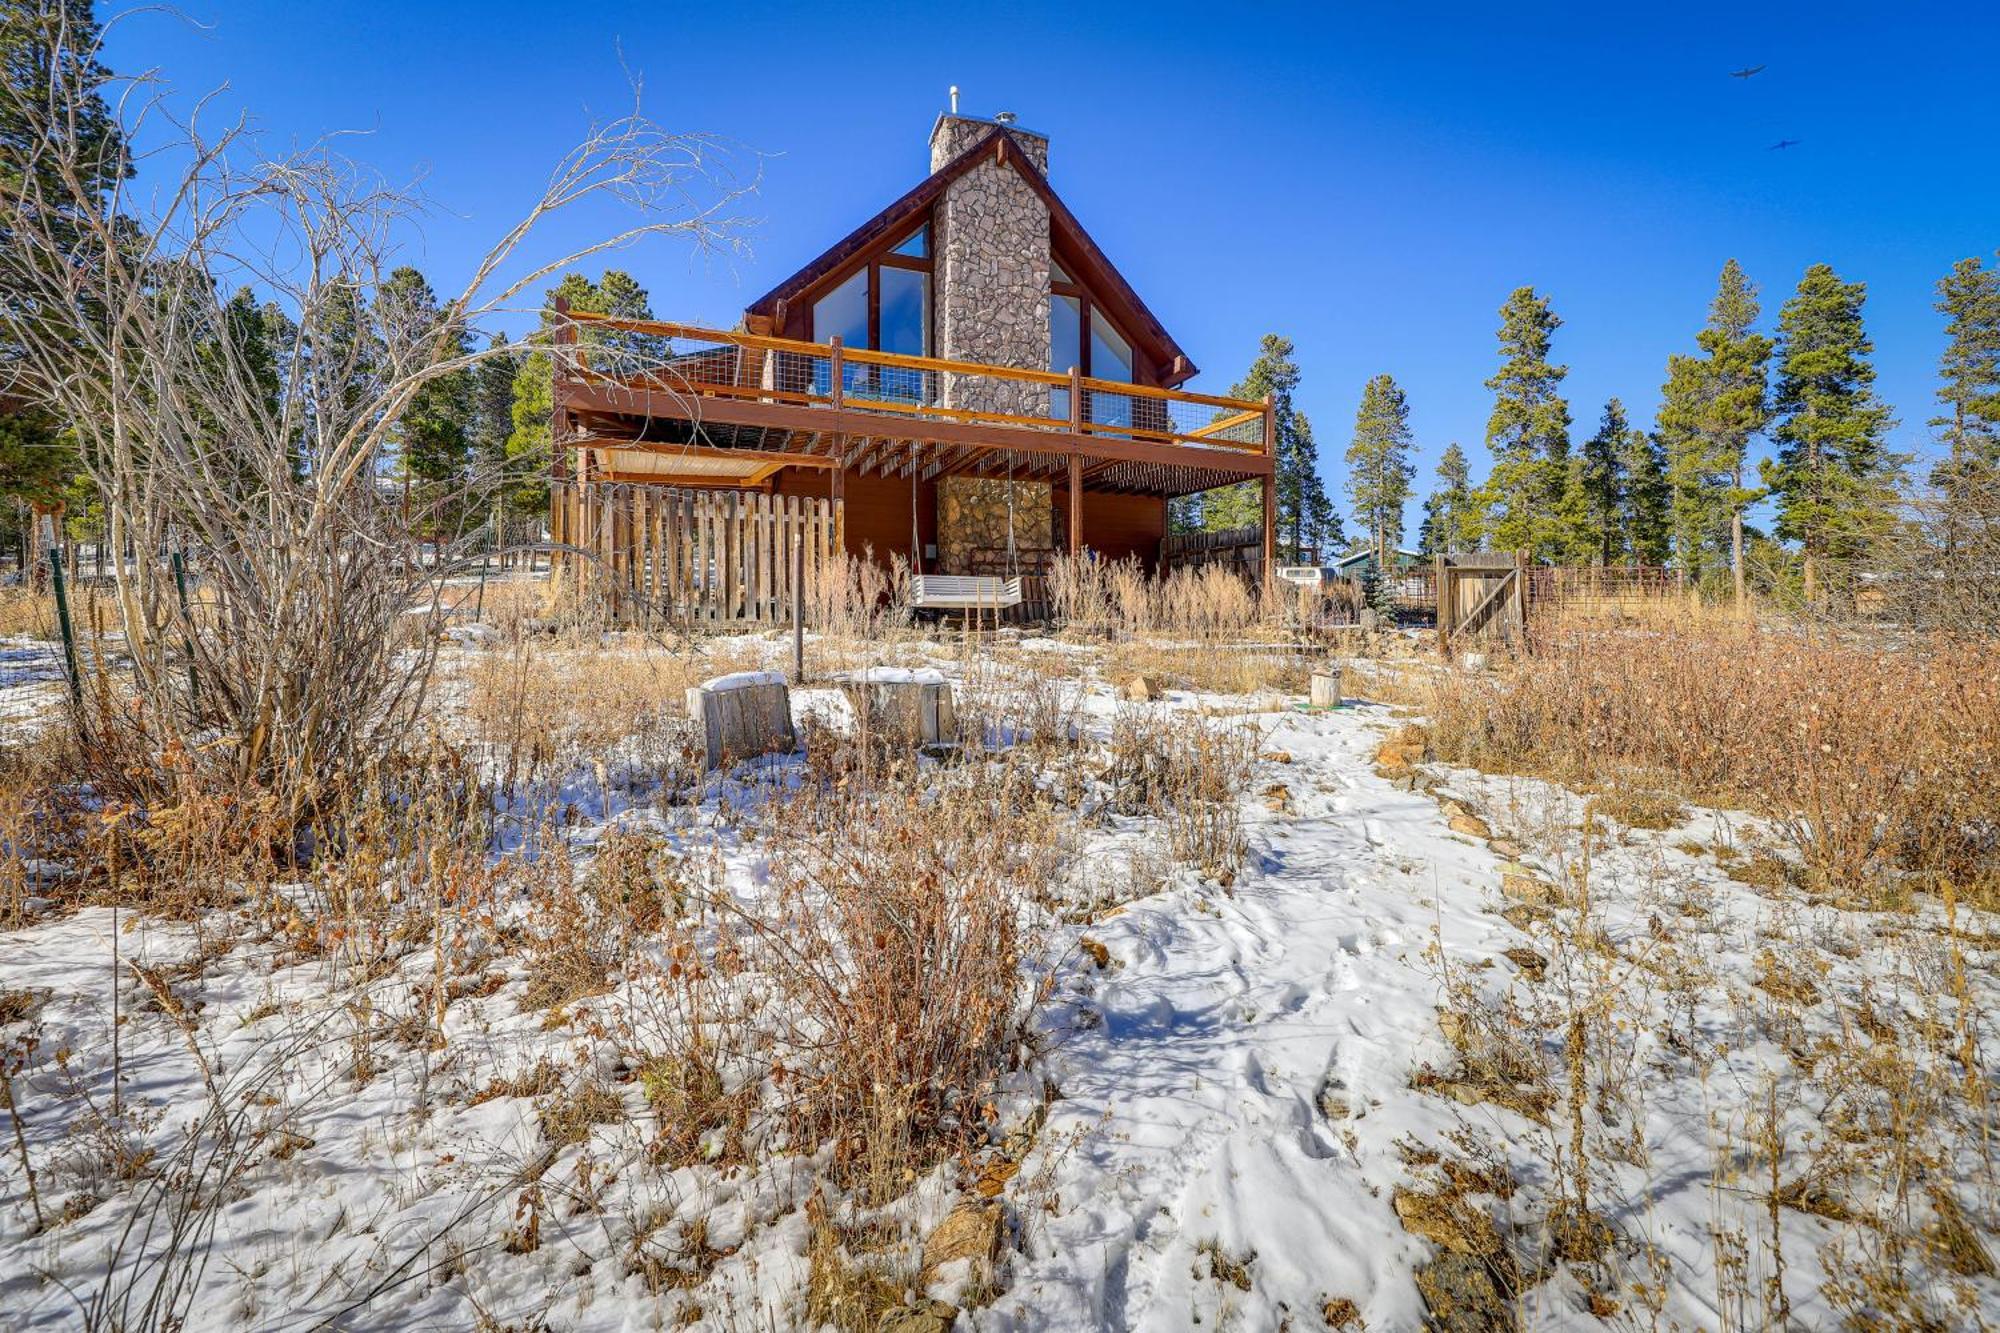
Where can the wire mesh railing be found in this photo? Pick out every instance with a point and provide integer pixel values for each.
(698, 362)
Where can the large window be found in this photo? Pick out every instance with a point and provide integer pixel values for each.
(1105, 355)
(884, 305)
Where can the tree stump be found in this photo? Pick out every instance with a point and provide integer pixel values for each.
(1326, 686)
(908, 707)
(743, 716)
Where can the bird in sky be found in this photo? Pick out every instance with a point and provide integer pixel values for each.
(1785, 143)
(1750, 73)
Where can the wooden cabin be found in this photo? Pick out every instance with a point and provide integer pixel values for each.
(964, 380)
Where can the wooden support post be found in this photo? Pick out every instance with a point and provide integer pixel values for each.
(1075, 505)
(1442, 594)
(1271, 492)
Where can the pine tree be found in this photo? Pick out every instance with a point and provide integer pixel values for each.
(1647, 523)
(37, 457)
(1529, 429)
(493, 423)
(434, 436)
(1378, 465)
(533, 406)
(1450, 514)
(1600, 487)
(1834, 476)
(1969, 375)
(1306, 519)
(1711, 407)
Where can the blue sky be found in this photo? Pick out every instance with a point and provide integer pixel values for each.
(1371, 181)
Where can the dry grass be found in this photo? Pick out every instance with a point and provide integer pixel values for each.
(1879, 761)
(1098, 597)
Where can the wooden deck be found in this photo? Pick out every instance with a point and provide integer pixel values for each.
(675, 404)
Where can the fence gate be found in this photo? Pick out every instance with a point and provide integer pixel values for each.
(1482, 595)
(669, 553)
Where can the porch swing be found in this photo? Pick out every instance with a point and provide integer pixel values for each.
(965, 592)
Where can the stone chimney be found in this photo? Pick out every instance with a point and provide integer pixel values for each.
(953, 134)
(991, 267)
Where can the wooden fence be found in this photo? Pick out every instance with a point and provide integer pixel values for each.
(723, 555)
(1240, 549)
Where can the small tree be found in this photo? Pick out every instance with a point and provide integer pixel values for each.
(1600, 485)
(1451, 513)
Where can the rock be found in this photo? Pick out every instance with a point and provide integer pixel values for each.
(1464, 1296)
(1472, 826)
(972, 1231)
(1522, 887)
(993, 1177)
(1398, 756)
(1534, 965)
(1141, 689)
(1276, 756)
(1502, 848)
(928, 1317)
(1473, 661)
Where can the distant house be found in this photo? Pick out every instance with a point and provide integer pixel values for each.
(1357, 563)
(964, 380)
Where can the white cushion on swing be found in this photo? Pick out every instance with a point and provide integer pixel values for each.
(964, 592)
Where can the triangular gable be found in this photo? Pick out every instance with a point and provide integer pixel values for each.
(767, 314)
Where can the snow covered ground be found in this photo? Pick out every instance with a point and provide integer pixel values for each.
(1266, 1094)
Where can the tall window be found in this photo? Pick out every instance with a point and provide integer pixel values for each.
(884, 305)
(1105, 355)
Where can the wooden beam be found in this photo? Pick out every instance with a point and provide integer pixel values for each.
(659, 449)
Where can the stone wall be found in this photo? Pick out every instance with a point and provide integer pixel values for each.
(972, 521)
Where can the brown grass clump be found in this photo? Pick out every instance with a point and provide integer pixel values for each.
(1242, 671)
(1873, 758)
(1097, 597)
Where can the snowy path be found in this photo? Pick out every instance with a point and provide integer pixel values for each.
(1188, 1116)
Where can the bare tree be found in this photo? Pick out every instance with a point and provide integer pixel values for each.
(307, 646)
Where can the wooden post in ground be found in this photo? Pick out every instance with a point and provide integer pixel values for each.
(1444, 597)
(1521, 594)
(798, 613)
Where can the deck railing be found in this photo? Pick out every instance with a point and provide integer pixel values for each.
(685, 359)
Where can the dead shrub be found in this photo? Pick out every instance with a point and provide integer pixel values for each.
(893, 955)
(1192, 777)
